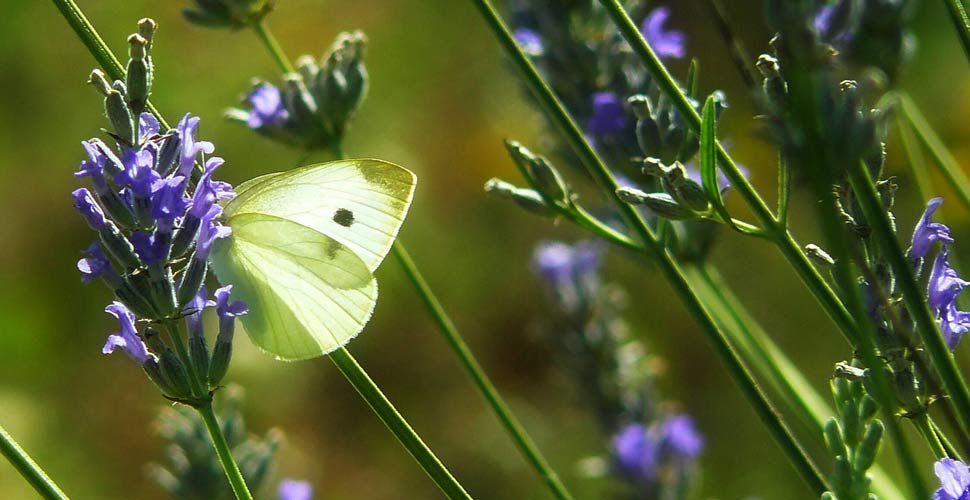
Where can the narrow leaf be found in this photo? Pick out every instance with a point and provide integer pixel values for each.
(708, 160)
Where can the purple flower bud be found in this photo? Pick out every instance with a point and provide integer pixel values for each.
(147, 126)
(530, 41)
(127, 338)
(95, 264)
(89, 209)
(927, 232)
(267, 106)
(209, 232)
(608, 117)
(294, 490)
(168, 197)
(227, 312)
(680, 438)
(190, 147)
(664, 43)
(635, 451)
(139, 173)
(954, 479)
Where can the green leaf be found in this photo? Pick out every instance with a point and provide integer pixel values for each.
(708, 160)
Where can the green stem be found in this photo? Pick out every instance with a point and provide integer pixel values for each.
(922, 424)
(561, 118)
(273, 46)
(225, 454)
(522, 440)
(915, 160)
(777, 232)
(961, 22)
(29, 469)
(913, 295)
(396, 423)
(947, 164)
(951, 450)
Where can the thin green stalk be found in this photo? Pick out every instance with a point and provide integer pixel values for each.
(951, 451)
(239, 487)
(947, 164)
(200, 391)
(522, 440)
(915, 160)
(777, 232)
(29, 469)
(273, 46)
(922, 424)
(668, 266)
(961, 22)
(447, 327)
(396, 423)
(913, 296)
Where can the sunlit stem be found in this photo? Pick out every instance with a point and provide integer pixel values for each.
(29, 469)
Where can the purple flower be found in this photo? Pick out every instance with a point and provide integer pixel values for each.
(208, 191)
(94, 265)
(664, 43)
(680, 438)
(608, 117)
(942, 290)
(190, 147)
(294, 490)
(823, 23)
(193, 310)
(151, 248)
(127, 338)
(209, 232)
(635, 451)
(89, 209)
(927, 232)
(93, 167)
(139, 173)
(168, 198)
(147, 126)
(954, 480)
(267, 106)
(560, 264)
(530, 41)
(227, 311)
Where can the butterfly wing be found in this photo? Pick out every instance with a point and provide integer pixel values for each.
(359, 203)
(308, 294)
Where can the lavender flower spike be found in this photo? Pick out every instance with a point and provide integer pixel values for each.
(954, 479)
(664, 43)
(267, 106)
(127, 338)
(294, 490)
(609, 117)
(927, 232)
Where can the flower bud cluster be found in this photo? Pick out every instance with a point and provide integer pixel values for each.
(315, 105)
(157, 218)
(232, 14)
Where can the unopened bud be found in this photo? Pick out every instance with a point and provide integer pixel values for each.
(819, 255)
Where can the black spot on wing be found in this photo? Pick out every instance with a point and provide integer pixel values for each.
(343, 217)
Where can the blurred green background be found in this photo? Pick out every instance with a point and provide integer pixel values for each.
(441, 100)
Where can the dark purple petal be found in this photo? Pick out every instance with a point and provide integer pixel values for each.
(295, 490)
(89, 209)
(681, 438)
(942, 290)
(190, 147)
(266, 106)
(224, 308)
(150, 248)
(927, 232)
(127, 338)
(139, 173)
(193, 310)
(168, 197)
(93, 167)
(530, 41)
(954, 479)
(635, 452)
(608, 117)
(664, 43)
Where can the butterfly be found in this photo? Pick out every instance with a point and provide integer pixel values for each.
(303, 250)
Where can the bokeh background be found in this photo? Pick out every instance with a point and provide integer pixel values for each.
(441, 100)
